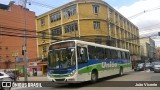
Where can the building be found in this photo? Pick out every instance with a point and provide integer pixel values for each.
(148, 50)
(12, 23)
(158, 53)
(90, 20)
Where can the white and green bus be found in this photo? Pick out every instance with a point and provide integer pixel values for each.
(76, 60)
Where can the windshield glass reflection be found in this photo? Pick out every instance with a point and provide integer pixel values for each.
(62, 58)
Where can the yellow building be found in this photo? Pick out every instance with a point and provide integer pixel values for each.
(91, 20)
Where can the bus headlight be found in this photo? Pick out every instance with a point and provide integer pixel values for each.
(49, 74)
(72, 73)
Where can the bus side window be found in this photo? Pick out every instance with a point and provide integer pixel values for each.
(82, 54)
(105, 54)
(116, 53)
(112, 54)
(127, 55)
(91, 51)
(108, 53)
(100, 53)
(122, 55)
(119, 55)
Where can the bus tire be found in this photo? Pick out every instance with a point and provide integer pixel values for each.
(121, 71)
(94, 76)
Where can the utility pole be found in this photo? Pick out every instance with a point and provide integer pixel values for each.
(25, 44)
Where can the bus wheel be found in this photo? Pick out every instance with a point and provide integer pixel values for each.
(94, 76)
(121, 71)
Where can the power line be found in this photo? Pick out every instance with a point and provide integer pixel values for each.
(145, 11)
(16, 28)
(13, 33)
(39, 4)
(39, 36)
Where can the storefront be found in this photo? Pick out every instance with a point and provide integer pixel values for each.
(43, 66)
(34, 69)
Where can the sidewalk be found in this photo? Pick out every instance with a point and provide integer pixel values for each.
(34, 78)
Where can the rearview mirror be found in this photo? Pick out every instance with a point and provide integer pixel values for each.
(72, 50)
(81, 51)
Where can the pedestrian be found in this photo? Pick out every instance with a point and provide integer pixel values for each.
(17, 75)
(5, 71)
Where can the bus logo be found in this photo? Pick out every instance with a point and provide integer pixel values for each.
(108, 65)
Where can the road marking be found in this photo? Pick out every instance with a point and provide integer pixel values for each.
(148, 70)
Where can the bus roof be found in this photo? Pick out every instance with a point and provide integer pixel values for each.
(94, 44)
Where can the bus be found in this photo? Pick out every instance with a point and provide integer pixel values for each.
(79, 61)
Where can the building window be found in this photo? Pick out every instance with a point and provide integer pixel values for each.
(70, 11)
(97, 40)
(55, 17)
(96, 24)
(6, 48)
(110, 12)
(71, 28)
(44, 49)
(42, 21)
(57, 31)
(95, 9)
(43, 35)
(116, 18)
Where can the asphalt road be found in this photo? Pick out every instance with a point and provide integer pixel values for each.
(103, 83)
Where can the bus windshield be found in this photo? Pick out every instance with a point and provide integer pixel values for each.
(61, 58)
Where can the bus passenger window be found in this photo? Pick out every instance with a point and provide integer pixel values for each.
(119, 55)
(127, 55)
(82, 54)
(91, 51)
(100, 53)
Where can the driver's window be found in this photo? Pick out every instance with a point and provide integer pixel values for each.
(82, 54)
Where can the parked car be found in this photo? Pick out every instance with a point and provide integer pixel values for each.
(12, 75)
(157, 67)
(139, 67)
(152, 66)
(4, 77)
(148, 65)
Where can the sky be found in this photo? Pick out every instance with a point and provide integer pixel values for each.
(145, 14)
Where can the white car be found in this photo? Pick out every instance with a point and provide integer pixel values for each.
(156, 67)
(4, 77)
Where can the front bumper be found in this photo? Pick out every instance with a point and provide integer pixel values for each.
(156, 69)
(68, 79)
(65, 80)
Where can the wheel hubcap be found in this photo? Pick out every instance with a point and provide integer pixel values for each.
(121, 71)
(93, 77)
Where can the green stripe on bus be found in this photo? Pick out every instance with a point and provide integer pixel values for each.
(99, 68)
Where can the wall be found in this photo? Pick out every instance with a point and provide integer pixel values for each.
(12, 23)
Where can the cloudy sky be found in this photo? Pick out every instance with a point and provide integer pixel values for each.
(143, 13)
